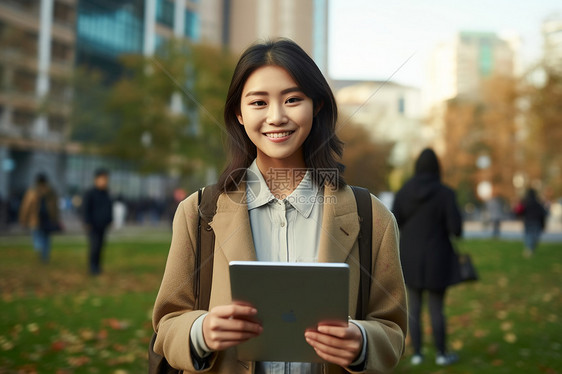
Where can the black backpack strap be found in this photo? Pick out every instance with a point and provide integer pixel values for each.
(207, 203)
(364, 210)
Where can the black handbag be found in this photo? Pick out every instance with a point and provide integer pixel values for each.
(467, 271)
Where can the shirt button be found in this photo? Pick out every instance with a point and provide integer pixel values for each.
(282, 224)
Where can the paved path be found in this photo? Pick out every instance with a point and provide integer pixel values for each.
(511, 230)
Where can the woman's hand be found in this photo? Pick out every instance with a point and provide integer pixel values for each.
(228, 325)
(337, 344)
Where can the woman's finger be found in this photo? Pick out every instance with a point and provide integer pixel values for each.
(341, 361)
(341, 349)
(234, 311)
(240, 325)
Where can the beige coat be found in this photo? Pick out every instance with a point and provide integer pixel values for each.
(387, 318)
(29, 210)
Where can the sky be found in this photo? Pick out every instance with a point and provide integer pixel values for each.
(382, 39)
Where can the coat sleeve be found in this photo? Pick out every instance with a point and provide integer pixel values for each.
(25, 209)
(174, 312)
(386, 321)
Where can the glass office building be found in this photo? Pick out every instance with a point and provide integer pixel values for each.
(105, 30)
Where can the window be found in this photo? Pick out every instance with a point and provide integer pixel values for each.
(60, 52)
(485, 58)
(57, 124)
(63, 14)
(165, 12)
(191, 29)
(22, 119)
(401, 105)
(24, 82)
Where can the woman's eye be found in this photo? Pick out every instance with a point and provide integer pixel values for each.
(258, 103)
(293, 100)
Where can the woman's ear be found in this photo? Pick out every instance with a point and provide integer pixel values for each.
(240, 119)
(318, 108)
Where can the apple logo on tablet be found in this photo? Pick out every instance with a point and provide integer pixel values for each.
(289, 317)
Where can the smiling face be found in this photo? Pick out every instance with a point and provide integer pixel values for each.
(277, 117)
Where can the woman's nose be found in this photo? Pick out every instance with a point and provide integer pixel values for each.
(276, 115)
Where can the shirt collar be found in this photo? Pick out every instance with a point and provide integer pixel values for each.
(302, 198)
(257, 192)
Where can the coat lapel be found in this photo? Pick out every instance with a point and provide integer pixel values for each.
(340, 225)
(231, 224)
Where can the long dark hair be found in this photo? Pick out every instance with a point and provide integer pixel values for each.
(322, 148)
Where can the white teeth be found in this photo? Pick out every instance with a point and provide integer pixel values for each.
(275, 135)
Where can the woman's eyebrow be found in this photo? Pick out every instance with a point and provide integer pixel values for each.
(265, 93)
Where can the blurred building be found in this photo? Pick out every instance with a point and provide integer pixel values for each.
(304, 21)
(107, 29)
(552, 47)
(37, 51)
(458, 67)
(389, 111)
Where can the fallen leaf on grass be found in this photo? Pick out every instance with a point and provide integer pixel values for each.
(547, 370)
(126, 359)
(552, 318)
(493, 349)
(7, 345)
(78, 361)
(457, 344)
(28, 369)
(115, 324)
(480, 333)
(497, 362)
(502, 314)
(506, 326)
(58, 346)
(102, 334)
(33, 328)
(119, 347)
(87, 334)
(510, 337)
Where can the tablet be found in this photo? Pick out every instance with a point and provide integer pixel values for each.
(289, 298)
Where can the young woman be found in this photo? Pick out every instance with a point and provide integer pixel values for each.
(282, 199)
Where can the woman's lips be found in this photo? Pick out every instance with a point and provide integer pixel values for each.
(278, 137)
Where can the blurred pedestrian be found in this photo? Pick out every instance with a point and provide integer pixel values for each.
(427, 214)
(494, 207)
(119, 212)
(40, 213)
(534, 219)
(98, 215)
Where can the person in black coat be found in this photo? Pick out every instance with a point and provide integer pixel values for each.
(97, 215)
(534, 219)
(427, 215)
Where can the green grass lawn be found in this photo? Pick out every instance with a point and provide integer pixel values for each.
(57, 319)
